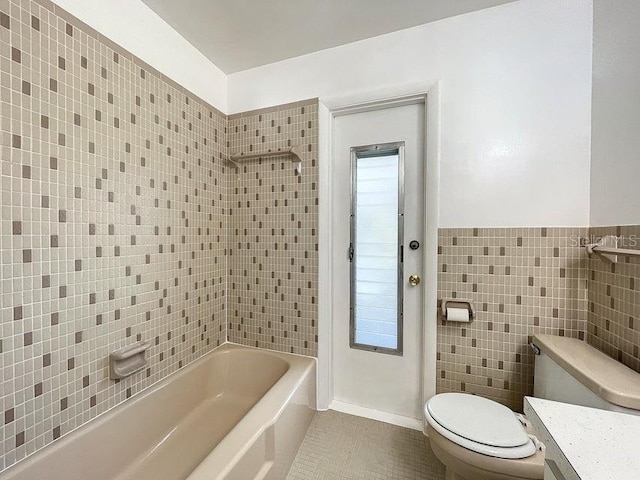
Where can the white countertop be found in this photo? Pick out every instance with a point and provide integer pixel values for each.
(587, 443)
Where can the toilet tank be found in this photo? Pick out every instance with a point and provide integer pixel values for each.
(571, 371)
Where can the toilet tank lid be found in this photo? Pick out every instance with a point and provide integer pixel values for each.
(609, 379)
(477, 419)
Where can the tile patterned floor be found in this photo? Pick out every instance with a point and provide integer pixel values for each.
(344, 447)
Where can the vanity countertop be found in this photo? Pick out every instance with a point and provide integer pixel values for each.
(587, 443)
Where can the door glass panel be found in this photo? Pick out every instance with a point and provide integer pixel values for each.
(376, 299)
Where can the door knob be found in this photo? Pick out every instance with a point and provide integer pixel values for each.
(414, 280)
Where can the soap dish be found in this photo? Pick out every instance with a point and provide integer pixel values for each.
(128, 360)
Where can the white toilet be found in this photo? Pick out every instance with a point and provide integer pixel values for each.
(479, 439)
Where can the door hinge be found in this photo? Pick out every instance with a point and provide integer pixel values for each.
(351, 252)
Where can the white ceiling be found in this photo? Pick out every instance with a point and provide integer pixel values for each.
(241, 34)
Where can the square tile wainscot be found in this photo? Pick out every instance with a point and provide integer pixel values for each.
(614, 299)
(522, 281)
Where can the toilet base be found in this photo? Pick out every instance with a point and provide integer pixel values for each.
(463, 464)
(451, 475)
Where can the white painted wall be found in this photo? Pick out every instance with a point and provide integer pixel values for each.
(615, 135)
(134, 26)
(515, 89)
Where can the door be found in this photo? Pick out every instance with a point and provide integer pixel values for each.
(378, 202)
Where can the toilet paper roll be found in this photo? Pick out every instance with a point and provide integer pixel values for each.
(457, 314)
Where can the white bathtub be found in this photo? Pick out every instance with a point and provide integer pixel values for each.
(237, 413)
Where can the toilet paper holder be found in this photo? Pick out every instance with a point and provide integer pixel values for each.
(457, 303)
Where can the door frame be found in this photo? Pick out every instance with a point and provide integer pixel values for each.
(428, 94)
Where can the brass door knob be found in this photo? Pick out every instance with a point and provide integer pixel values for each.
(414, 280)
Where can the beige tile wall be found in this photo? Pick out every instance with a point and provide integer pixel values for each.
(522, 281)
(112, 224)
(614, 299)
(273, 241)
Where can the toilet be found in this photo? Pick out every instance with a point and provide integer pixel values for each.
(480, 439)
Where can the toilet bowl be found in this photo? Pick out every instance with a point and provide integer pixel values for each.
(479, 439)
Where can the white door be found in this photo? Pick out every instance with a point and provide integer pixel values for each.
(378, 206)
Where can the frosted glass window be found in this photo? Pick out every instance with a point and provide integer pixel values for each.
(375, 295)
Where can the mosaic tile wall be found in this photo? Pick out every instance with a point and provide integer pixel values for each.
(614, 299)
(522, 281)
(273, 241)
(112, 224)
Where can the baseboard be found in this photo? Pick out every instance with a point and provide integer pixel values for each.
(386, 417)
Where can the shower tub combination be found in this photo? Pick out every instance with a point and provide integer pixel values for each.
(237, 413)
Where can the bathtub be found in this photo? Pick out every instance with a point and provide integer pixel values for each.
(237, 413)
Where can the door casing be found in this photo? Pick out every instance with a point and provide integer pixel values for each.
(329, 108)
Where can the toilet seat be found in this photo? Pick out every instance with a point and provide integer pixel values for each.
(479, 425)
